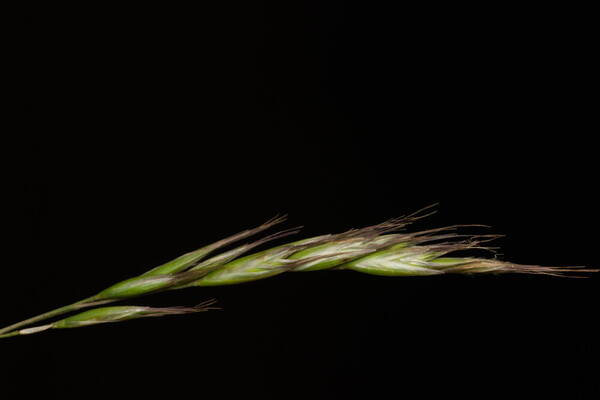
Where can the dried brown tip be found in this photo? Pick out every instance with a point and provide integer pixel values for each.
(277, 219)
(204, 306)
(423, 212)
(467, 242)
(278, 235)
(449, 228)
(391, 225)
(250, 232)
(496, 266)
(564, 271)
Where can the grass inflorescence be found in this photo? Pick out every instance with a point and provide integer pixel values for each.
(383, 249)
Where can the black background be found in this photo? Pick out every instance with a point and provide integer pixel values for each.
(155, 131)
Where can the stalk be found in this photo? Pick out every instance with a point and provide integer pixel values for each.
(85, 303)
(7, 335)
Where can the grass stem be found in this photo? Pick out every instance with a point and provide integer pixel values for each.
(85, 303)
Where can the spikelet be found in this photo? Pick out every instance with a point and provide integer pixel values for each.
(383, 249)
(103, 315)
